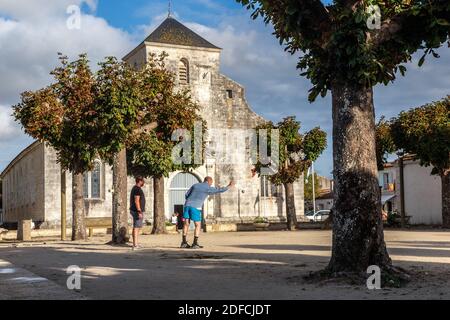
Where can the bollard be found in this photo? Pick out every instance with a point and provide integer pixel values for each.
(24, 230)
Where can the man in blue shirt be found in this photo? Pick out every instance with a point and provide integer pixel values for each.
(195, 197)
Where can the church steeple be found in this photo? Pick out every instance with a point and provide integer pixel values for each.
(173, 32)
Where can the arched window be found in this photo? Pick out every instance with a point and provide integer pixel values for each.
(183, 71)
(95, 180)
(92, 182)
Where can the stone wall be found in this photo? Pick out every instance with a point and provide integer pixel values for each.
(23, 186)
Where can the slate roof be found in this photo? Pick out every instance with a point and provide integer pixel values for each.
(173, 32)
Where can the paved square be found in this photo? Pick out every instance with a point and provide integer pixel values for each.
(244, 265)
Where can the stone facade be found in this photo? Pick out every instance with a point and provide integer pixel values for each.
(229, 119)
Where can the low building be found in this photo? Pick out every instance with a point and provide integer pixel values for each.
(422, 191)
(325, 201)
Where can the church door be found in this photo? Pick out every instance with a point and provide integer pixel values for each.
(180, 184)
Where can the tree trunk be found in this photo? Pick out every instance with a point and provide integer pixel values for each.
(358, 239)
(445, 178)
(159, 219)
(78, 226)
(290, 207)
(120, 212)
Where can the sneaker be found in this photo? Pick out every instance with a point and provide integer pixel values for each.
(185, 245)
(196, 246)
(138, 247)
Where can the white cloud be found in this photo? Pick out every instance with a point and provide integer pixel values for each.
(31, 32)
(8, 128)
(31, 35)
(39, 10)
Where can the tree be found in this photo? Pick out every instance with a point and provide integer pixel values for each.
(384, 142)
(296, 153)
(347, 52)
(309, 189)
(152, 153)
(425, 133)
(117, 104)
(60, 115)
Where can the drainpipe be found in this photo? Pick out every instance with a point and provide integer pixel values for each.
(402, 191)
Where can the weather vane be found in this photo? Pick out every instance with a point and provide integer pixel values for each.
(170, 8)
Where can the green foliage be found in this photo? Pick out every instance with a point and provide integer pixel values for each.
(150, 151)
(61, 114)
(339, 47)
(425, 132)
(384, 142)
(260, 220)
(118, 101)
(309, 187)
(296, 152)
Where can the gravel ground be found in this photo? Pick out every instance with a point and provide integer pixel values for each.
(244, 265)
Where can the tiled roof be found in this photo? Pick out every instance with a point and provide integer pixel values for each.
(173, 32)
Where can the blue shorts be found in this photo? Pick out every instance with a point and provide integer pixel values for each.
(137, 223)
(192, 214)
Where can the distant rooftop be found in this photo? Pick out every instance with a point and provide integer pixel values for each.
(173, 32)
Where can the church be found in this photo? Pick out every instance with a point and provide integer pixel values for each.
(32, 181)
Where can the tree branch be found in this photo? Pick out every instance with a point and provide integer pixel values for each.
(310, 19)
(388, 29)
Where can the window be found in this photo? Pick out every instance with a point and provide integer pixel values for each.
(230, 94)
(92, 182)
(95, 181)
(266, 187)
(183, 71)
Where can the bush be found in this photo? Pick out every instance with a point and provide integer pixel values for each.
(392, 219)
(261, 220)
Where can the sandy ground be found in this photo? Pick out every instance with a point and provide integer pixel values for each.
(245, 265)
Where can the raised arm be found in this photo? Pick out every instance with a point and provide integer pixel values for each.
(212, 190)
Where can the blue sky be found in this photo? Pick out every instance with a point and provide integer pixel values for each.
(32, 31)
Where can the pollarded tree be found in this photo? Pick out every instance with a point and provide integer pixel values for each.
(346, 51)
(155, 153)
(117, 103)
(60, 115)
(296, 153)
(425, 133)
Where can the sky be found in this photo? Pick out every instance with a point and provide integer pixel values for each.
(33, 31)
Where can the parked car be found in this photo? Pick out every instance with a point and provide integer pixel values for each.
(320, 216)
(309, 213)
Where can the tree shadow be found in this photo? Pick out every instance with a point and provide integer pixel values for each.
(187, 274)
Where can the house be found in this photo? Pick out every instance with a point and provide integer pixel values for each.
(325, 200)
(421, 191)
(32, 181)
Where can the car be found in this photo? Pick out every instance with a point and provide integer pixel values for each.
(309, 213)
(320, 216)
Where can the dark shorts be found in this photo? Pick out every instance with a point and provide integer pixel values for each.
(137, 223)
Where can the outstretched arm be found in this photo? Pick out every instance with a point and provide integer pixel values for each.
(212, 190)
